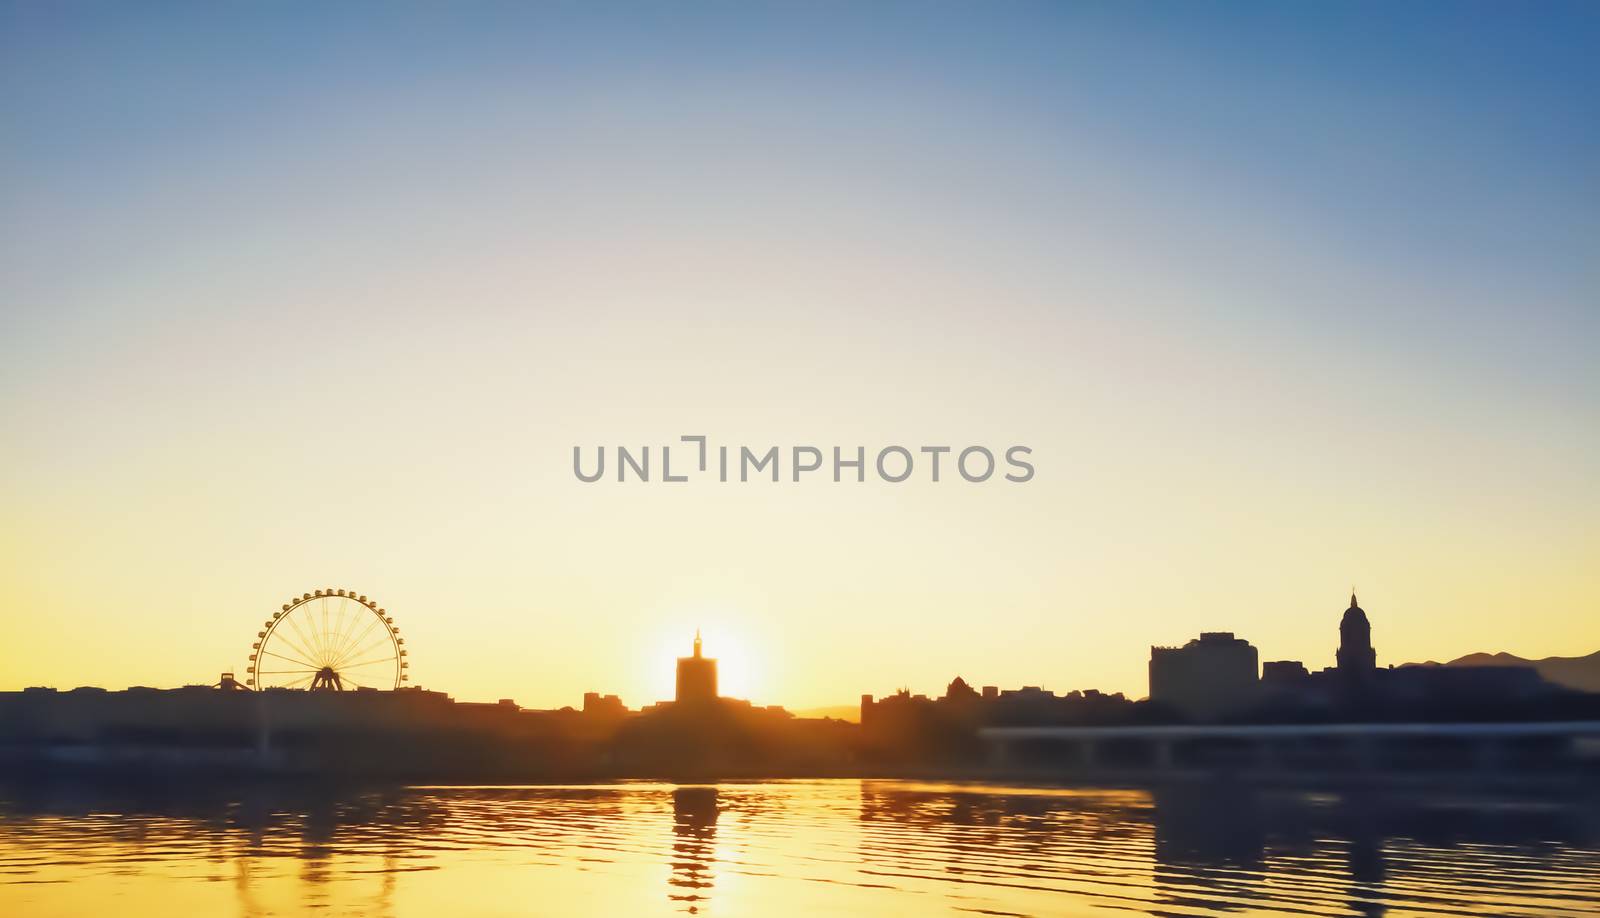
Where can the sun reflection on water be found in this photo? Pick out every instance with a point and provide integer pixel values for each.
(791, 848)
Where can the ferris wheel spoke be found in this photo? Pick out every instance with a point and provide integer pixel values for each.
(297, 648)
(337, 636)
(347, 634)
(297, 682)
(285, 672)
(308, 622)
(382, 658)
(317, 639)
(365, 651)
(325, 641)
(280, 656)
(327, 627)
(360, 647)
(373, 662)
(360, 640)
(306, 632)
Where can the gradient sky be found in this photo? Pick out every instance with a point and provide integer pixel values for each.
(1285, 298)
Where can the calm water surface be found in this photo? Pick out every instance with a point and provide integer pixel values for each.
(794, 848)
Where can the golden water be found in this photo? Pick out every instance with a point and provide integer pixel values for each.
(792, 848)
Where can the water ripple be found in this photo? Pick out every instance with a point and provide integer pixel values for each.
(838, 847)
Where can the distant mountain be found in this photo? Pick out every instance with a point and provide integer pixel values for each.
(850, 712)
(1582, 673)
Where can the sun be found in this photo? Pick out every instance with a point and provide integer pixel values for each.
(739, 671)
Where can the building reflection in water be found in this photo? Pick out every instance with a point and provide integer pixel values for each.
(325, 832)
(1205, 844)
(1213, 844)
(1220, 849)
(694, 845)
(798, 848)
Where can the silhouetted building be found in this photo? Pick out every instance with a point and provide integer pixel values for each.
(907, 728)
(959, 691)
(1356, 657)
(1357, 689)
(598, 705)
(1284, 673)
(697, 677)
(1205, 678)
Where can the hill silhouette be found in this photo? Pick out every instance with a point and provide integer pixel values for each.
(1581, 673)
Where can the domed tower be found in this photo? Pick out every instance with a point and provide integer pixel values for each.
(1355, 655)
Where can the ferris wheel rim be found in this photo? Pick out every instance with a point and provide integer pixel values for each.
(331, 656)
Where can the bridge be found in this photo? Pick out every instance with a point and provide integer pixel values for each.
(1555, 748)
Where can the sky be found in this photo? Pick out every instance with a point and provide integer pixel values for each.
(1285, 299)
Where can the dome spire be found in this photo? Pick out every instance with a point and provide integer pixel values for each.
(697, 642)
(1353, 604)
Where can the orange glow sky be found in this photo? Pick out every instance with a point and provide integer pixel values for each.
(297, 308)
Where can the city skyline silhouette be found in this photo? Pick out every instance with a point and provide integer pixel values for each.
(336, 640)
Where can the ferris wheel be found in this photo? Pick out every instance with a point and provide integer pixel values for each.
(328, 640)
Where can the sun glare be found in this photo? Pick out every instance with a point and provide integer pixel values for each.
(739, 674)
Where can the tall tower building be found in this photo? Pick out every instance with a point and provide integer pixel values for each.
(1355, 655)
(697, 677)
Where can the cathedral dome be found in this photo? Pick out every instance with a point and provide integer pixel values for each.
(1354, 614)
(1355, 655)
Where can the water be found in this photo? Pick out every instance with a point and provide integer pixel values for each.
(794, 848)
